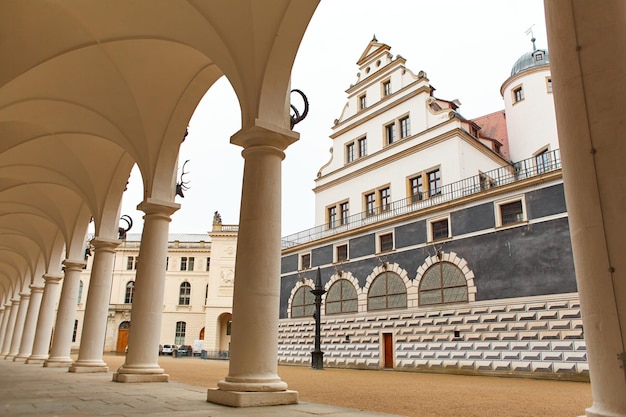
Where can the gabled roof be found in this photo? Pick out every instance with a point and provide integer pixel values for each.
(373, 48)
(493, 126)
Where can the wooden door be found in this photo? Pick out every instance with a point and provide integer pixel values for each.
(388, 349)
(122, 340)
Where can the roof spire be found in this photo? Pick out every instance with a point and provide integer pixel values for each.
(374, 38)
(529, 31)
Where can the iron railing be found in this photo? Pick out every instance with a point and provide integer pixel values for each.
(527, 168)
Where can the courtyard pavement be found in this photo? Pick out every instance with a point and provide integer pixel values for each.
(32, 390)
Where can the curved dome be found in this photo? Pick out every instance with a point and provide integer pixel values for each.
(536, 58)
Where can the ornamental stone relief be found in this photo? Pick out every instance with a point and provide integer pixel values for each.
(228, 277)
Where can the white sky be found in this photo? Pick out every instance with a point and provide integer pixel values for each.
(467, 49)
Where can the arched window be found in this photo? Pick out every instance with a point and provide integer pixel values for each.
(130, 290)
(442, 283)
(80, 291)
(387, 292)
(303, 303)
(181, 328)
(185, 294)
(341, 298)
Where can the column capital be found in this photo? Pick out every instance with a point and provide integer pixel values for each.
(52, 278)
(74, 265)
(105, 244)
(24, 295)
(15, 301)
(154, 207)
(8, 304)
(264, 134)
(35, 288)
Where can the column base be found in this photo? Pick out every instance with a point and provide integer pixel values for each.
(36, 361)
(9, 357)
(58, 363)
(251, 399)
(20, 358)
(118, 377)
(80, 368)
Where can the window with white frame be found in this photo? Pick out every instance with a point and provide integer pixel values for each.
(424, 185)
(350, 152)
(80, 292)
(303, 303)
(549, 84)
(341, 298)
(130, 291)
(442, 283)
(184, 295)
(518, 94)
(511, 211)
(370, 203)
(332, 217)
(344, 211)
(362, 147)
(439, 229)
(362, 102)
(191, 263)
(390, 133)
(387, 291)
(131, 263)
(183, 263)
(384, 196)
(405, 127)
(181, 329)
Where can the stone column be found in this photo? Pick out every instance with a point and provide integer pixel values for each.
(587, 40)
(97, 308)
(41, 344)
(253, 370)
(6, 312)
(141, 363)
(8, 337)
(30, 324)
(66, 315)
(18, 330)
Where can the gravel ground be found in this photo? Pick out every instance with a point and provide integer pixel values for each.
(405, 393)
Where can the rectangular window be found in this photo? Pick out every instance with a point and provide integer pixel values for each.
(434, 182)
(417, 189)
(440, 229)
(390, 133)
(370, 204)
(512, 212)
(405, 127)
(549, 84)
(345, 212)
(332, 217)
(305, 261)
(385, 242)
(208, 263)
(386, 88)
(75, 330)
(385, 198)
(350, 152)
(131, 263)
(362, 147)
(183, 263)
(191, 263)
(518, 94)
(167, 262)
(362, 102)
(542, 161)
(341, 253)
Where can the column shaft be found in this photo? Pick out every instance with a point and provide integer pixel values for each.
(254, 341)
(141, 363)
(30, 324)
(97, 308)
(3, 319)
(3, 328)
(18, 330)
(11, 312)
(45, 321)
(66, 315)
(586, 41)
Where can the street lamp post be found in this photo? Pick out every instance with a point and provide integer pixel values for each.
(317, 356)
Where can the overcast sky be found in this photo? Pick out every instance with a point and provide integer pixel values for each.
(467, 49)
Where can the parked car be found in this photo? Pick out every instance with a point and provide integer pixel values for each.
(184, 350)
(168, 349)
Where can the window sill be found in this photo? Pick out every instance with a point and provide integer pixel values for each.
(511, 225)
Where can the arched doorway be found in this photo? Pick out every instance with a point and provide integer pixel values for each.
(122, 336)
(224, 324)
(201, 337)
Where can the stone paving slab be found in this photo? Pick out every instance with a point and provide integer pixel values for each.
(31, 390)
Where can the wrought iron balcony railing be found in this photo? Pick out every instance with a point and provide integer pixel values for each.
(527, 168)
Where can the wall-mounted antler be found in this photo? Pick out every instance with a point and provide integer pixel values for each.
(121, 231)
(297, 117)
(182, 185)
